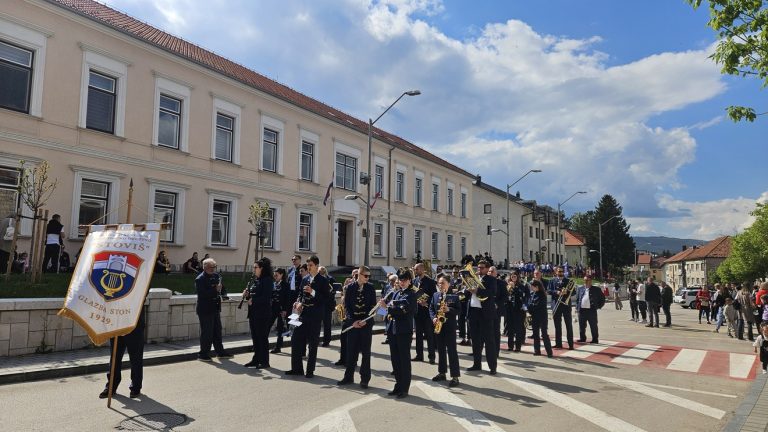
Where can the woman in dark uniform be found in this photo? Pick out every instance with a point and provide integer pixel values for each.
(259, 296)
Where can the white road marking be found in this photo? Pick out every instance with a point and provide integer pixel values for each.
(687, 360)
(337, 420)
(636, 354)
(585, 351)
(741, 365)
(658, 394)
(567, 403)
(469, 418)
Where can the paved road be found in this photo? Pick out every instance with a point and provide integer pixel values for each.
(625, 384)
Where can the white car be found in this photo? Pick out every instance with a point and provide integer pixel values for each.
(686, 297)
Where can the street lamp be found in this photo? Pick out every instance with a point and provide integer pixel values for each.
(366, 260)
(600, 234)
(507, 221)
(557, 247)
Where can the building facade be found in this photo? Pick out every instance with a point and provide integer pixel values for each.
(107, 99)
(575, 249)
(693, 267)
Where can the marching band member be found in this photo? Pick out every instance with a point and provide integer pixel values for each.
(537, 306)
(561, 311)
(517, 305)
(280, 307)
(343, 337)
(501, 305)
(424, 329)
(448, 304)
(402, 310)
(309, 306)
(482, 311)
(359, 299)
(464, 301)
(259, 295)
(210, 292)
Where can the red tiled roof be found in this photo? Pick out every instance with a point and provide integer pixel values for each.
(177, 46)
(680, 256)
(643, 259)
(717, 248)
(573, 239)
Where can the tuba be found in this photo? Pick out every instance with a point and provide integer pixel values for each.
(471, 281)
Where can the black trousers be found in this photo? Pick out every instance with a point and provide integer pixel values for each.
(516, 329)
(359, 342)
(539, 325)
(482, 335)
(642, 306)
(343, 343)
(562, 313)
(400, 355)
(667, 313)
(210, 333)
(653, 313)
(134, 343)
(704, 310)
(260, 326)
(497, 332)
(277, 315)
(307, 334)
(327, 321)
(633, 307)
(588, 316)
(463, 333)
(425, 330)
(52, 256)
(446, 350)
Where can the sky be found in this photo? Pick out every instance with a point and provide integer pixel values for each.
(605, 96)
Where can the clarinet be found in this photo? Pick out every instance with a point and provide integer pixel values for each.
(242, 300)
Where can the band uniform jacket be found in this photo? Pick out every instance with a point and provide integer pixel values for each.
(501, 296)
(518, 298)
(555, 285)
(313, 305)
(357, 304)
(402, 311)
(427, 286)
(260, 297)
(295, 288)
(537, 305)
(208, 299)
(281, 297)
(596, 297)
(487, 295)
(454, 309)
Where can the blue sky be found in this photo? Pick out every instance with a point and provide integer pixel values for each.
(605, 96)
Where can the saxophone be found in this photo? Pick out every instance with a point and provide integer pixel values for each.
(440, 314)
(340, 311)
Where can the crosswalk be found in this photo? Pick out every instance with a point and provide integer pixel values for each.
(705, 362)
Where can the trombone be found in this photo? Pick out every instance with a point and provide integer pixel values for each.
(565, 295)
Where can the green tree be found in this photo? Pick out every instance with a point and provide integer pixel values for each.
(748, 259)
(742, 26)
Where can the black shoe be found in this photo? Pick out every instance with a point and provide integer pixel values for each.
(224, 355)
(492, 372)
(134, 394)
(251, 364)
(402, 395)
(657, 326)
(667, 325)
(649, 325)
(344, 382)
(570, 347)
(205, 358)
(517, 350)
(417, 358)
(594, 341)
(104, 394)
(549, 355)
(463, 342)
(537, 353)
(474, 368)
(363, 385)
(439, 377)
(386, 341)
(310, 375)
(582, 341)
(454, 382)
(392, 373)
(276, 351)
(558, 346)
(262, 366)
(326, 344)
(339, 363)
(293, 372)
(393, 393)
(431, 361)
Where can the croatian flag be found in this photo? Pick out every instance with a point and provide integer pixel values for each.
(328, 192)
(376, 197)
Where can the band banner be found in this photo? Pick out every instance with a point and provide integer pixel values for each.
(109, 284)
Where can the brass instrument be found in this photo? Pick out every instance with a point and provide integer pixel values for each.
(471, 281)
(341, 313)
(427, 267)
(440, 316)
(565, 295)
(424, 297)
(528, 321)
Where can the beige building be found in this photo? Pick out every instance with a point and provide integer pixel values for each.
(693, 266)
(107, 99)
(575, 249)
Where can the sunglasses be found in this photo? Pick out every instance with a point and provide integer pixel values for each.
(364, 275)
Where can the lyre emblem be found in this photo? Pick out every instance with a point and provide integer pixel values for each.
(113, 276)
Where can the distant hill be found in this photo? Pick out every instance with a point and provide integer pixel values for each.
(659, 244)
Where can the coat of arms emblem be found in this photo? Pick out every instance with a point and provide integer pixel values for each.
(113, 273)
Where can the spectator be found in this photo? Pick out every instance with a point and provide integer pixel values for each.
(719, 302)
(617, 296)
(748, 311)
(162, 265)
(759, 299)
(632, 294)
(731, 316)
(641, 305)
(54, 239)
(64, 263)
(20, 264)
(667, 297)
(6, 238)
(761, 346)
(653, 301)
(703, 302)
(192, 265)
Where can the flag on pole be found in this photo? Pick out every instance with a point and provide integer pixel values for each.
(328, 192)
(109, 285)
(375, 197)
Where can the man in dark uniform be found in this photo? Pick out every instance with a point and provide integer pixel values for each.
(516, 310)
(210, 292)
(359, 299)
(561, 311)
(315, 291)
(588, 300)
(501, 306)
(482, 312)
(134, 342)
(294, 279)
(280, 307)
(402, 310)
(464, 302)
(424, 329)
(446, 339)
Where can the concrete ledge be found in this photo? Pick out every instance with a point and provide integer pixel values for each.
(740, 416)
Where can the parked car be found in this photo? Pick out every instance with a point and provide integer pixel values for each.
(686, 297)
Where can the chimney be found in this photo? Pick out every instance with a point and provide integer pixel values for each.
(685, 247)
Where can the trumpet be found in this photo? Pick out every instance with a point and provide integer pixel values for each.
(565, 295)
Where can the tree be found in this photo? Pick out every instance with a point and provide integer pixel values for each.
(35, 189)
(742, 26)
(748, 260)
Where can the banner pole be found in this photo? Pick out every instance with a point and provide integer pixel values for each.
(130, 202)
(112, 372)
(247, 254)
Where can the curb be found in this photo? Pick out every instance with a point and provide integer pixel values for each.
(747, 405)
(75, 370)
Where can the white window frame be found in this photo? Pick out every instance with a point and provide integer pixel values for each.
(12, 162)
(434, 245)
(380, 234)
(379, 161)
(449, 196)
(402, 169)
(463, 246)
(418, 193)
(449, 246)
(434, 196)
(418, 235)
(464, 196)
(115, 68)
(232, 228)
(314, 139)
(33, 39)
(312, 230)
(181, 192)
(275, 125)
(112, 203)
(401, 253)
(221, 106)
(182, 93)
(353, 152)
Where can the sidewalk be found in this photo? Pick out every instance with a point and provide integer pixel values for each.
(752, 413)
(96, 360)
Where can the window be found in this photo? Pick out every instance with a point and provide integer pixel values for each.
(417, 241)
(463, 247)
(450, 201)
(434, 245)
(307, 160)
(164, 211)
(102, 96)
(269, 150)
(486, 209)
(305, 232)
(399, 234)
(220, 222)
(435, 196)
(400, 187)
(377, 238)
(449, 244)
(417, 198)
(537, 233)
(269, 229)
(379, 177)
(346, 172)
(225, 132)
(94, 203)
(15, 77)
(169, 122)
(463, 204)
(530, 231)
(9, 192)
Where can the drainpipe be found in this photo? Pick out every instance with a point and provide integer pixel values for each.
(389, 208)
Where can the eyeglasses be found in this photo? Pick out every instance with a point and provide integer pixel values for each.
(364, 275)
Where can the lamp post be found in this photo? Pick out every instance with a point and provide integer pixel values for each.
(600, 234)
(559, 236)
(509, 186)
(366, 260)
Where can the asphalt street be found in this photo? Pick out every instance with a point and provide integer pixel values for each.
(637, 379)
